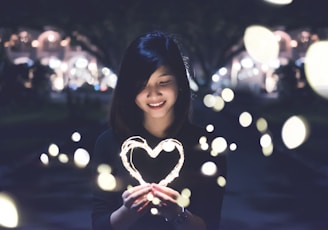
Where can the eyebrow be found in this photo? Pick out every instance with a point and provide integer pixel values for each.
(166, 74)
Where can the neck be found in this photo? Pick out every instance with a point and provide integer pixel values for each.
(157, 127)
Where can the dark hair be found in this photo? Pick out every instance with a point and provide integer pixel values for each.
(144, 55)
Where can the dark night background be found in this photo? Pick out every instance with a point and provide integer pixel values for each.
(285, 191)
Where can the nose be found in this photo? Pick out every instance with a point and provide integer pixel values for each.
(153, 91)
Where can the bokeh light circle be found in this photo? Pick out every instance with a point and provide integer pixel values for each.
(265, 140)
(219, 145)
(44, 159)
(294, 131)
(209, 168)
(168, 146)
(221, 181)
(63, 158)
(261, 125)
(9, 216)
(209, 100)
(316, 68)
(261, 43)
(218, 104)
(233, 147)
(53, 150)
(81, 158)
(227, 94)
(267, 150)
(210, 128)
(245, 119)
(106, 181)
(76, 137)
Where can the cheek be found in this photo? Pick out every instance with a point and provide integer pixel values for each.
(139, 100)
(175, 93)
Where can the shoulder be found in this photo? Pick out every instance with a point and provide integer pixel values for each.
(106, 137)
(106, 142)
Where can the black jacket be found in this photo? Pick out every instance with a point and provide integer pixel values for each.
(206, 195)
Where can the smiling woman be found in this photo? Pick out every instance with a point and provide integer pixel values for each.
(153, 150)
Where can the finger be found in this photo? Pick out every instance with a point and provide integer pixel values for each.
(135, 189)
(143, 206)
(165, 192)
(165, 199)
(135, 195)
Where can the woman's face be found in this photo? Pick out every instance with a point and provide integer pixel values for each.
(159, 95)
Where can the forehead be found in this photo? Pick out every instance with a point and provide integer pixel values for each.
(161, 72)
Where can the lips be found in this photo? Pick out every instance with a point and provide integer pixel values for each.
(156, 105)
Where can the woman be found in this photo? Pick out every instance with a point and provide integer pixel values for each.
(151, 103)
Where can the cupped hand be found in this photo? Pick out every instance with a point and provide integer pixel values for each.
(135, 198)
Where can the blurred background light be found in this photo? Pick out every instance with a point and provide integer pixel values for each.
(53, 150)
(210, 128)
(265, 140)
(76, 137)
(316, 67)
(261, 43)
(218, 103)
(279, 2)
(81, 157)
(63, 158)
(9, 216)
(154, 211)
(44, 159)
(168, 146)
(261, 125)
(233, 147)
(295, 131)
(215, 77)
(221, 181)
(184, 199)
(203, 143)
(209, 168)
(186, 192)
(245, 119)
(106, 181)
(219, 145)
(104, 168)
(267, 150)
(209, 100)
(227, 95)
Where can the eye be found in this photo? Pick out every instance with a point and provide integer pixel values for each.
(165, 82)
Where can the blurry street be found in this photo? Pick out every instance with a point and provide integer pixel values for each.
(284, 191)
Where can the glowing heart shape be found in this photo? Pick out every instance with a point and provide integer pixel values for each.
(167, 145)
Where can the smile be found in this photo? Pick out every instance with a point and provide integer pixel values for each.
(159, 104)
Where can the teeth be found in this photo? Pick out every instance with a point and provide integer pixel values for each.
(157, 104)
